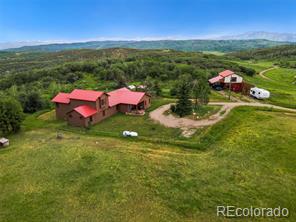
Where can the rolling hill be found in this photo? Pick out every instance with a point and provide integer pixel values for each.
(182, 45)
(272, 36)
(279, 52)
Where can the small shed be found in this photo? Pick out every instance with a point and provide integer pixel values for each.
(4, 142)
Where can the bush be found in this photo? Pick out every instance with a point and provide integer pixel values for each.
(31, 102)
(248, 71)
(11, 116)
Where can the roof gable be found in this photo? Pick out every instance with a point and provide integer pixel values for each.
(124, 96)
(226, 73)
(61, 98)
(215, 79)
(86, 95)
(85, 111)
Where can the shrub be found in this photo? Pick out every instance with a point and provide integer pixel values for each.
(31, 102)
(248, 71)
(11, 116)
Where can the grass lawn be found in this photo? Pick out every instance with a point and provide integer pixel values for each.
(281, 87)
(283, 91)
(256, 65)
(247, 161)
(217, 97)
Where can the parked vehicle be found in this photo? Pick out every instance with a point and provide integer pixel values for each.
(217, 87)
(129, 133)
(259, 93)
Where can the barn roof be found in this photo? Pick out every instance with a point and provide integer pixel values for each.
(86, 95)
(226, 73)
(215, 79)
(61, 98)
(85, 110)
(221, 75)
(124, 96)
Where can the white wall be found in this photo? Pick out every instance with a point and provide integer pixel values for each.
(239, 79)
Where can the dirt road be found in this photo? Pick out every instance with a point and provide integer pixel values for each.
(266, 70)
(175, 122)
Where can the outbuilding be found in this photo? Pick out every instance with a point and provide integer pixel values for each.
(227, 79)
(4, 142)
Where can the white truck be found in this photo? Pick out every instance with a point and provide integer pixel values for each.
(259, 93)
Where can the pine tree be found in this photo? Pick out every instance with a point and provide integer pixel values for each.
(184, 104)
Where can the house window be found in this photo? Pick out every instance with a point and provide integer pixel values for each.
(57, 105)
(70, 116)
(101, 102)
(91, 119)
(80, 117)
(233, 79)
(104, 113)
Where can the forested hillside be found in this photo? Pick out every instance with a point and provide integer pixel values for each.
(39, 76)
(182, 45)
(279, 52)
(284, 56)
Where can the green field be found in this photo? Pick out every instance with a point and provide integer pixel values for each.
(281, 83)
(95, 174)
(247, 160)
(257, 65)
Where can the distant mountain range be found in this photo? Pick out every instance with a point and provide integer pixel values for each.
(250, 40)
(11, 45)
(272, 36)
(182, 45)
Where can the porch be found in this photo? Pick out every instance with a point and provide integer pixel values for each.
(136, 110)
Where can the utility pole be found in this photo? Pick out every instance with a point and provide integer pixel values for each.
(229, 90)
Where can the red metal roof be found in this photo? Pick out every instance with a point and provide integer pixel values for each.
(86, 95)
(61, 98)
(215, 79)
(124, 96)
(226, 73)
(85, 110)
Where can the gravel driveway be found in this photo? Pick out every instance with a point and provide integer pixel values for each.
(175, 122)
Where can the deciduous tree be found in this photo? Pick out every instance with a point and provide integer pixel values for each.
(11, 116)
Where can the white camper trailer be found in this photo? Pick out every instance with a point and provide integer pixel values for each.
(259, 93)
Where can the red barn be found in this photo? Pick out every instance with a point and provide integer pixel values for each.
(225, 78)
(88, 107)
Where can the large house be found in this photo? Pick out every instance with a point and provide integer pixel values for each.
(227, 78)
(88, 107)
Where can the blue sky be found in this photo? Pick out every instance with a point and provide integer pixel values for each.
(68, 20)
